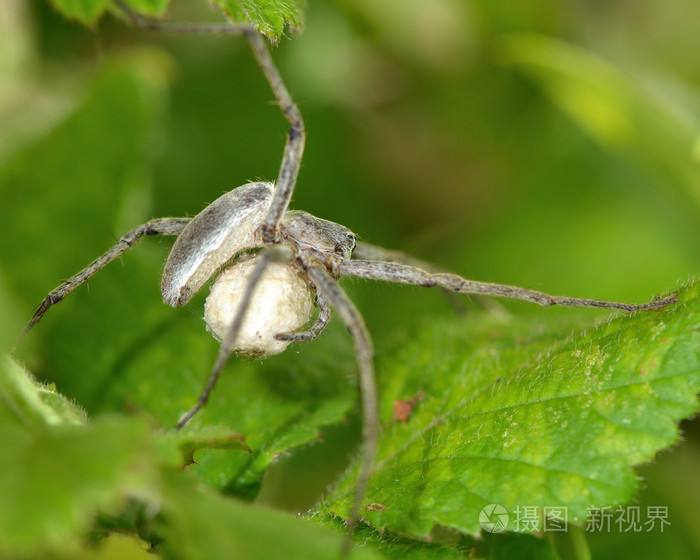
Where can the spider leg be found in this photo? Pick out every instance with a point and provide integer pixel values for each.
(354, 322)
(404, 274)
(369, 252)
(278, 253)
(316, 329)
(161, 226)
(296, 138)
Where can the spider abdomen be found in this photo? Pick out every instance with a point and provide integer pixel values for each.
(226, 227)
(282, 302)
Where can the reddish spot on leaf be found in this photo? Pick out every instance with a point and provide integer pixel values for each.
(403, 409)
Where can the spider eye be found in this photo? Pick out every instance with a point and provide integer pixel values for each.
(351, 239)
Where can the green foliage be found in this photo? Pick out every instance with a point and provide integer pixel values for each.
(123, 103)
(85, 11)
(593, 406)
(509, 416)
(565, 187)
(30, 403)
(270, 17)
(89, 11)
(58, 474)
(445, 544)
(615, 110)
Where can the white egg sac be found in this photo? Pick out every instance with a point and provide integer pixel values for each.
(281, 303)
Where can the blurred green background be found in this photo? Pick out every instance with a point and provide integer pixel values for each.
(547, 144)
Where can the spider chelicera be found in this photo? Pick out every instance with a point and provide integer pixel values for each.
(274, 264)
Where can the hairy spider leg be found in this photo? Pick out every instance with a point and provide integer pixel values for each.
(368, 252)
(404, 274)
(354, 322)
(160, 226)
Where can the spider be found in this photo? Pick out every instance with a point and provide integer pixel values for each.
(273, 264)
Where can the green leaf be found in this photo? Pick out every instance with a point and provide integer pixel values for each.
(85, 11)
(209, 437)
(89, 11)
(55, 477)
(268, 16)
(199, 524)
(509, 417)
(30, 403)
(447, 544)
(148, 7)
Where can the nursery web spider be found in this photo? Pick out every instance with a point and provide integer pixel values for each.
(273, 264)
